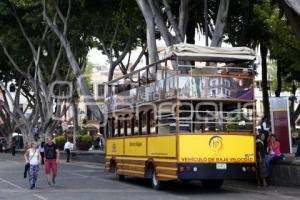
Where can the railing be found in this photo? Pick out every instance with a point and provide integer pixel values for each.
(184, 87)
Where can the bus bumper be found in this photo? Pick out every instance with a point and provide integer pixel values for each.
(189, 171)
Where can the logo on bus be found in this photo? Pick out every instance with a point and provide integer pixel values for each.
(216, 143)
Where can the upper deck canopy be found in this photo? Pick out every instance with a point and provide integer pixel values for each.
(190, 52)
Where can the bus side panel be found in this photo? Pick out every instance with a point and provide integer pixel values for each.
(115, 147)
(162, 146)
(135, 146)
(216, 149)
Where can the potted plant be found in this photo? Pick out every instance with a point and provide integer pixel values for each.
(60, 142)
(84, 141)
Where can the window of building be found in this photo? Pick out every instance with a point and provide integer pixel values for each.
(213, 92)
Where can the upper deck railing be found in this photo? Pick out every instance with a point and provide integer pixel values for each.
(233, 80)
(209, 83)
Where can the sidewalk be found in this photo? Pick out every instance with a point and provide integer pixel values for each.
(286, 172)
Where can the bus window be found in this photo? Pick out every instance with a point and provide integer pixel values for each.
(136, 125)
(140, 123)
(114, 127)
(119, 126)
(144, 123)
(132, 124)
(107, 129)
(127, 125)
(204, 118)
(152, 122)
(185, 118)
(166, 120)
(238, 117)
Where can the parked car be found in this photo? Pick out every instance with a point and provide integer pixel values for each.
(3, 144)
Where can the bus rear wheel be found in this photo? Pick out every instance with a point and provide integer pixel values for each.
(114, 170)
(212, 184)
(156, 184)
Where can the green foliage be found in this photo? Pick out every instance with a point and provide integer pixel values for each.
(83, 132)
(84, 122)
(87, 73)
(60, 140)
(84, 139)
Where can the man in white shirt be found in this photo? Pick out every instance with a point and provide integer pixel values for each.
(68, 147)
(265, 130)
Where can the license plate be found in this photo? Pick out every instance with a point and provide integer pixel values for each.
(221, 166)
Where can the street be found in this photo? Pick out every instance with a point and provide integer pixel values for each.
(79, 180)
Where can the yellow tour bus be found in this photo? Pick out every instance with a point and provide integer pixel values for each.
(190, 116)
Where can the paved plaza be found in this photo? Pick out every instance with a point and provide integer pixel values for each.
(80, 180)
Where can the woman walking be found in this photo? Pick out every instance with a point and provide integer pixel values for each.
(33, 157)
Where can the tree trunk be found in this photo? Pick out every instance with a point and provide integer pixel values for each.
(88, 99)
(151, 40)
(220, 23)
(183, 17)
(292, 12)
(264, 82)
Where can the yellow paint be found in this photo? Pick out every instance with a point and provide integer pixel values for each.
(164, 146)
(135, 146)
(216, 148)
(115, 147)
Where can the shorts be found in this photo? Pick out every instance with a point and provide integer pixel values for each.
(51, 165)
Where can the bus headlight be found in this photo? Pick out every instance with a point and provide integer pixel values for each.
(195, 169)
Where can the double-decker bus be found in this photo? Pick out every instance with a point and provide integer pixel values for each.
(190, 116)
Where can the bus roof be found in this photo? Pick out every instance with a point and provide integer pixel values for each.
(190, 52)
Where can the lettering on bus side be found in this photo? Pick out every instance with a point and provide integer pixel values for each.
(205, 159)
(135, 144)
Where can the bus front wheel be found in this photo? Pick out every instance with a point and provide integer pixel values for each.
(212, 184)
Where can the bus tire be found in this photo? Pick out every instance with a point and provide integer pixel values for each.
(212, 184)
(114, 170)
(156, 184)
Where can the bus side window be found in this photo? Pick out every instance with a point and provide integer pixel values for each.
(144, 123)
(140, 123)
(113, 127)
(136, 125)
(152, 122)
(108, 128)
(127, 123)
(132, 123)
(120, 126)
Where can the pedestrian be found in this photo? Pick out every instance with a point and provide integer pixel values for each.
(52, 158)
(274, 152)
(32, 156)
(42, 152)
(101, 143)
(68, 147)
(264, 128)
(260, 160)
(13, 146)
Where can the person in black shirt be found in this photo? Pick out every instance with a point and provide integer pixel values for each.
(52, 158)
(260, 160)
